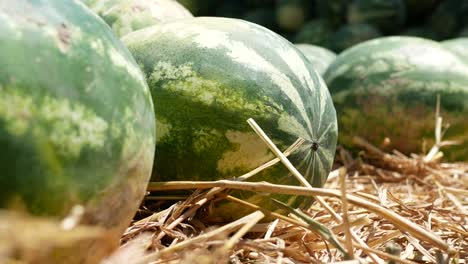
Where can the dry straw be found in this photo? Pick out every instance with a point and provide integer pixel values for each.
(377, 208)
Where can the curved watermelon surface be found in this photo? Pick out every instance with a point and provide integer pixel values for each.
(209, 75)
(319, 57)
(388, 87)
(76, 116)
(125, 16)
(459, 47)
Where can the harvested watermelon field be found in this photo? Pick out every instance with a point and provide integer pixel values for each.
(233, 131)
(377, 207)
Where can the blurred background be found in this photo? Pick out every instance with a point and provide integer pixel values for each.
(339, 24)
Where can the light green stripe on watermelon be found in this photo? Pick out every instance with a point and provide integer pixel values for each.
(319, 57)
(388, 88)
(125, 16)
(459, 47)
(76, 115)
(210, 75)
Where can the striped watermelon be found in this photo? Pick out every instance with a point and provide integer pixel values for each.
(459, 47)
(125, 16)
(388, 88)
(209, 75)
(319, 57)
(76, 116)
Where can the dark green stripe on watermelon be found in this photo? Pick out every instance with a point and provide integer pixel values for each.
(388, 88)
(76, 116)
(209, 76)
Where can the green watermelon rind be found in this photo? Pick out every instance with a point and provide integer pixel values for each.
(76, 116)
(389, 87)
(125, 16)
(210, 75)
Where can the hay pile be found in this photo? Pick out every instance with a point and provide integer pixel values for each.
(377, 208)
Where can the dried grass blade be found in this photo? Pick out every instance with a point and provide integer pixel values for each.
(315, 226)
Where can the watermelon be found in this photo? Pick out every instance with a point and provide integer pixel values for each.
(388, 87)
(350, 35)
(387, 15)
(319, 57)
(459, 47)
(76, 115)
(316, 32)
(209, 75)
(125, 16)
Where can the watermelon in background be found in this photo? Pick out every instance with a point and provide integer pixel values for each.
(315, 32)
(319, 57)
(388, 87)
(387, 15)
(76, 116)
(209, 75)
(459, 47)
(350, 35)
(125, 16)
